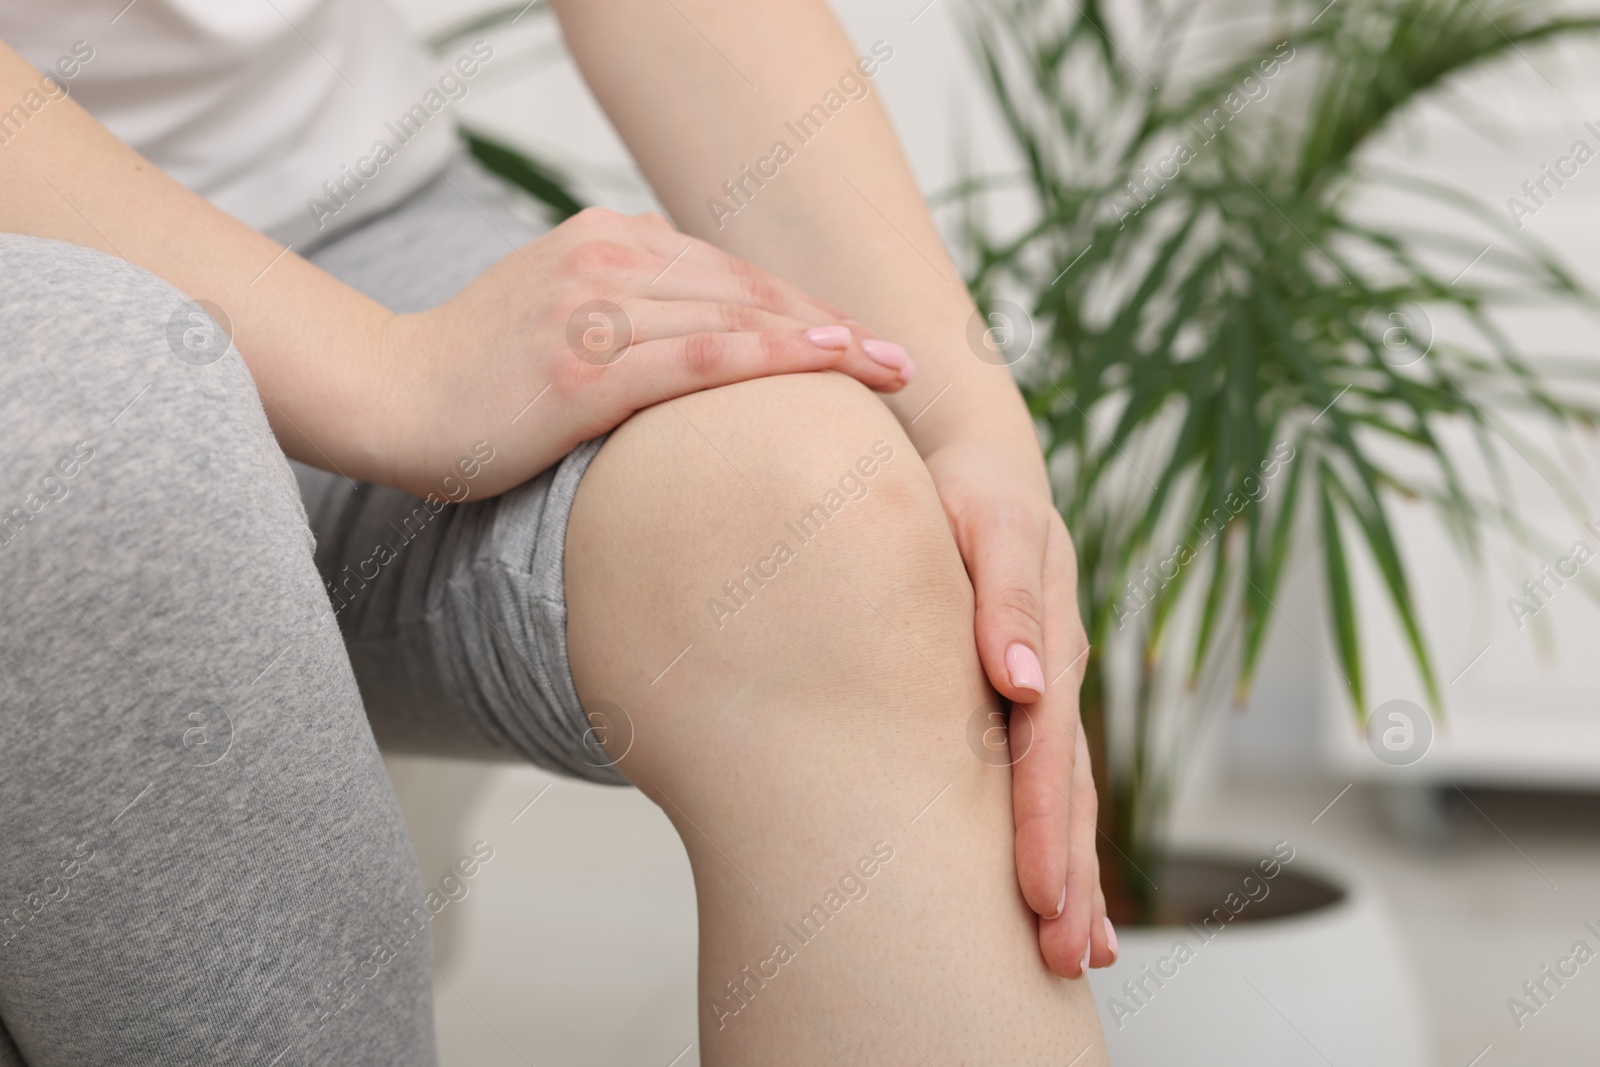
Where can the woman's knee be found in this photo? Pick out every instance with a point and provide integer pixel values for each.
(761, 580)
(81, 327)
(102, 351)
(786, 518)
(128, 443)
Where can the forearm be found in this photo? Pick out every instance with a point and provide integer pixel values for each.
(302, 333)
(842, 218)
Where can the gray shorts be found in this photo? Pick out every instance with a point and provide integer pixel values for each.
(455, 618)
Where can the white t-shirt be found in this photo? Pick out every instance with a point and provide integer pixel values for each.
(274, 110)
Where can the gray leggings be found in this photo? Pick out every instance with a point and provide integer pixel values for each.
(201, 857)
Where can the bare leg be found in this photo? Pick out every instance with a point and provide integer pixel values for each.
(818, 733)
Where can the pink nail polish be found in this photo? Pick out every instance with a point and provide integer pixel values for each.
(834, 337)
(1111, 939)
(909, 371)
(1023, 666)
(1083, 964)
(887, 353)
(1061, 905)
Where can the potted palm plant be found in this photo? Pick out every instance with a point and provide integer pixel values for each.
(1228, 366)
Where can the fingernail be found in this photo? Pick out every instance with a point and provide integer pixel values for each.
(887, 353)
(1083, 964)
(1061, 905)
(1111, 939)
(835, 337)
(909, 371)
(1023, 666)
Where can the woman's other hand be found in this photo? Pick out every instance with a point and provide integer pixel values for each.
(569, 335)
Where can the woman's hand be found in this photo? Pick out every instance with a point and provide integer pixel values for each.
(565, 338)
(1033, 648)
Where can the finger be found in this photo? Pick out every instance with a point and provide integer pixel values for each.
(1007, 567)
(693, 270)
(862, 359)
(1041, 748)
(1076, 938)
(1102, 936)
(1084, 860)
(1101, 928)
(656, 320)
(1105, 953)
(674, 366)
(883, 352)
(692, 278)
(1044, 737)
(688, 260)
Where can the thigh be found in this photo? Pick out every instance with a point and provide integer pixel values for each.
(201, 859)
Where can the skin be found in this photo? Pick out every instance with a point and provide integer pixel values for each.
(839, 237)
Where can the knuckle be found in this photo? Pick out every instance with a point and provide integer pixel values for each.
(762, 293)
(703, 353)
(775, 348)
(598, 259)
(740, 318)
(598, 216)
(739, 267)
(588, 223)
(1018, 602)
(755, 285)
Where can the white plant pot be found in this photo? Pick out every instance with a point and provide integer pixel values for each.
(1316, 975)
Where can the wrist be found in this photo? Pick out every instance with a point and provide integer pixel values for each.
(998, 438)
(316, 351)
(959, 401)
(390, 394)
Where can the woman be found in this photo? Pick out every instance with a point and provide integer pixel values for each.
(637, 503)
